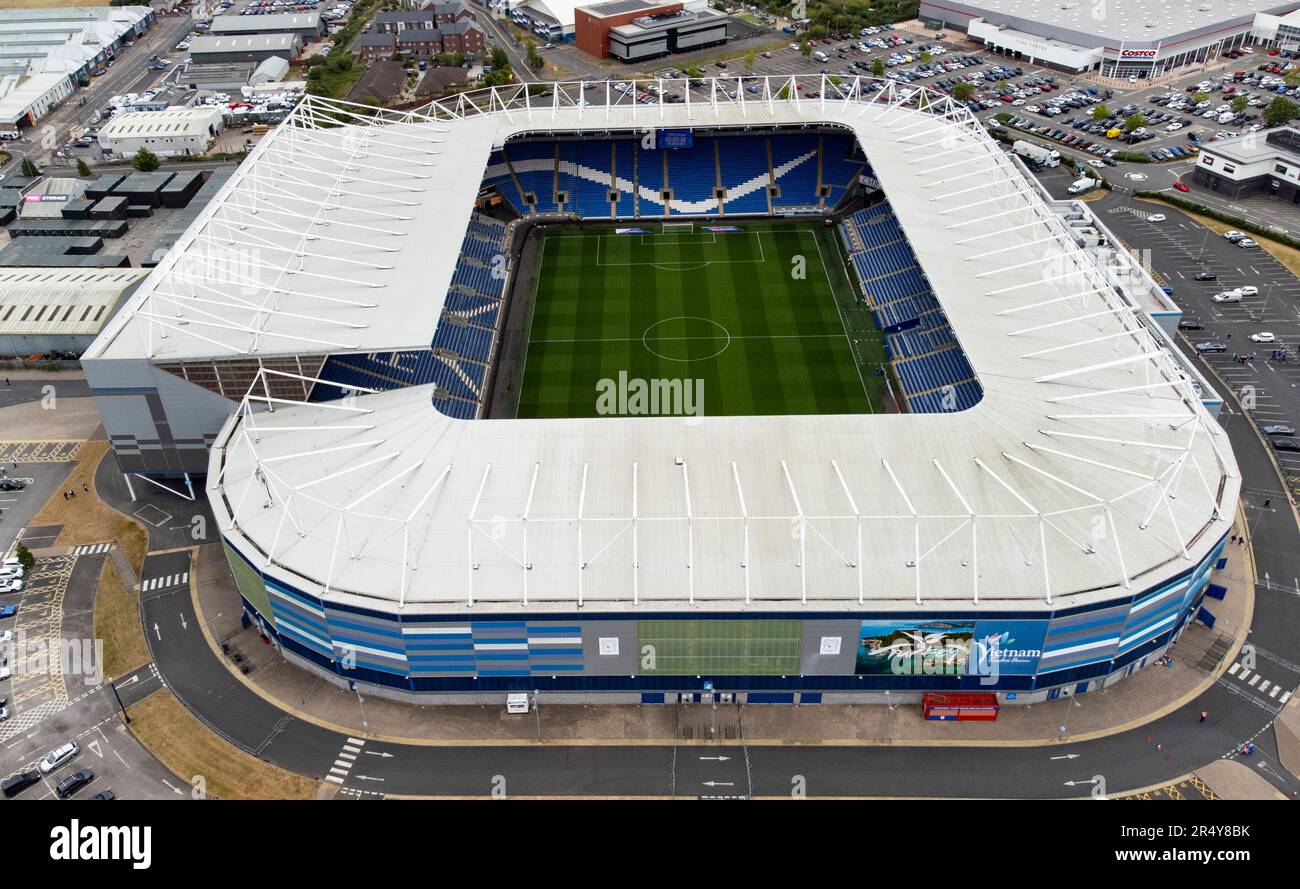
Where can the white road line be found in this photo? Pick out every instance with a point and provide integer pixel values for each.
(1252, 682)
(334, 778)
(1232, 671)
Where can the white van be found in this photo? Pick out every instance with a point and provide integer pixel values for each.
(821, 56)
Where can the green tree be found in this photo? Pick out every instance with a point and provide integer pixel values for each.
(1133, 122)
(28, 169)
(1280, 111)
(805, 47)
(24, 557)
(83, 169)
(878, 67)
(498, 58)
(1200, 96)
(1292, 77)
(750, 58)
(963, 91)
(145, 161)
(1003, 86)
(535, 60)
(1240, 104)
(1100, 112)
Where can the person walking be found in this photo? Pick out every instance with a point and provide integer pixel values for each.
(1267, 502)
(1205, 714)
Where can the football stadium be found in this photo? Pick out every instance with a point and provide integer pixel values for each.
(769, 398)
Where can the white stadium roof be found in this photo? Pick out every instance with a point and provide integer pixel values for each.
(1089, 470)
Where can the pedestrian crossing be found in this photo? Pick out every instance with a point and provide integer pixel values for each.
(347, 758)
(91, 549)
(164, 581)
(1260, 686)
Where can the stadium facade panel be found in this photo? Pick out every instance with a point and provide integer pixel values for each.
(1057, 533)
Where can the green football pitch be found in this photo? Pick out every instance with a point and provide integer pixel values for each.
(759, 321)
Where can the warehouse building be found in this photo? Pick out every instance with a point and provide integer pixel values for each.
(306, 26)
(1132, 38)
(26, 98)
(256, 48)
(73, 41)
(170, 132)
(46, 311)
(1252, 165)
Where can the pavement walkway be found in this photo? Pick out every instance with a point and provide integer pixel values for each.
(1198, 658)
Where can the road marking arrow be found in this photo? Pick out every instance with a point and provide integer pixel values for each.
(715, 758)
(1067, 756)
(1075, 783)
(719, 784)
(385, 755)
(367, 778)
(184, 625)
(156, 631)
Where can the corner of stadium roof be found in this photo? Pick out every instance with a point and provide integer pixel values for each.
(339, 233)
(1089, 472)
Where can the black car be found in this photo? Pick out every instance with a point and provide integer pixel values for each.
(1190, 324)
(12, 484)
(1205, 276)
(1286, 444)
(74, 782)
(1277, 429)
(105, 794)
(17, 783)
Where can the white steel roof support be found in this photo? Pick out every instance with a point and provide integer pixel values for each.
(803, 536)
(744, 512)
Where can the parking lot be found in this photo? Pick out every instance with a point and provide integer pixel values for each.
(1265, 376)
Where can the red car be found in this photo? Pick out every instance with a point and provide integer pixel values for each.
(1181, 187)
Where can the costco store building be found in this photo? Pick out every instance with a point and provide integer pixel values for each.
(1122, 38)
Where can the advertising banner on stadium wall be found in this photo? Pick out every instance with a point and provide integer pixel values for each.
(910, 647)
(1015, 645)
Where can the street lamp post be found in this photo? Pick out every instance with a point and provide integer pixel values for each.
(537, 710)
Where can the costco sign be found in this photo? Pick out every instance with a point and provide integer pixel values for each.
(1138, 54)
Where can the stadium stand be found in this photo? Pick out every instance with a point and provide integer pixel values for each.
(463, 344)
(804, 165)
(930, 365)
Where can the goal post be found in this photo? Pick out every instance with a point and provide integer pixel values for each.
(688, 227)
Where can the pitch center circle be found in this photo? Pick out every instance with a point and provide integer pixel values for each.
(686, 338)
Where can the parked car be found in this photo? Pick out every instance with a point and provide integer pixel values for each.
(1205, 276)
(1263, 337)
(1248, 290)
(1211, 347)
(74, 782)
(1190, 324)
(1247, 242)
(18, 782)
(1228, 296)
(12, 484)
(59, 757)
(8, 611)
(1234, 235)
(105, 794)
(1156, 217)
(1277, 429)
(1286, 444)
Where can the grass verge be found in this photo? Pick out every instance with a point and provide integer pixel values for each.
(87, 519)
(191, 751)
(117, 623)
